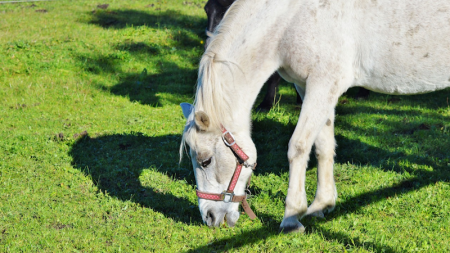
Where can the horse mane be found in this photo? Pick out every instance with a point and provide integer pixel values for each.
(213, 95)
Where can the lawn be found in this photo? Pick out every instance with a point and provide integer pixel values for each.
(90, 127)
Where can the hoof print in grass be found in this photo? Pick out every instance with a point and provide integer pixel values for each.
(80, 135)
(18, 106)
(58, 137)
(103, 6)
(41, 11)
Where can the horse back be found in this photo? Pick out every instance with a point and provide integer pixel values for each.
(394, 47)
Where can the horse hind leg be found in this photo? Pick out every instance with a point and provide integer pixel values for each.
(326, 193)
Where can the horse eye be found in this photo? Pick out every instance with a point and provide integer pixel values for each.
(206, 162)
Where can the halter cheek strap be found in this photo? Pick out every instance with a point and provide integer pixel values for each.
(228, 195)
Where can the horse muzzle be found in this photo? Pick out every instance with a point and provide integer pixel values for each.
(214, 218)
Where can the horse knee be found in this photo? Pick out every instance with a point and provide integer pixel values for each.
(325, 146)
(324, 151)
(296, 149)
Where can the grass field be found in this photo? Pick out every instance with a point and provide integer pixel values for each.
(90, 128)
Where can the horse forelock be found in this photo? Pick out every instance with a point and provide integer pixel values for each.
(188, 137)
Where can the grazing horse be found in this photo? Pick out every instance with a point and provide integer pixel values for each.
(324, 47)
(215, 10)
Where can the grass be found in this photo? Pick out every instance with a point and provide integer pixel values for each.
(90, 128)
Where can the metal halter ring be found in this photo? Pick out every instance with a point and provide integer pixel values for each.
(227, 197)
(225, 140)
(247, 165)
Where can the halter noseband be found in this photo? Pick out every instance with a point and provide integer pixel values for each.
(228, 195)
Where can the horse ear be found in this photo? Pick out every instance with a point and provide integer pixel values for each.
(202, 120)
(187, 109)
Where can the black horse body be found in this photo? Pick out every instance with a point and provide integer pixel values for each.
(215, 10)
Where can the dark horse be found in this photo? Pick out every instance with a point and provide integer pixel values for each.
(215, 10)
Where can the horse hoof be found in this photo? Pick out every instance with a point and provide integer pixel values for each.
(290, 226)
(318, 214)
(292, 229)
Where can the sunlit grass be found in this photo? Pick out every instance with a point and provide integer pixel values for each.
(90, 128)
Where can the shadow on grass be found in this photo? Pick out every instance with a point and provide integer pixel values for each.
(115, 162)
(271, 140)
(172, 19)
(271, 145)
(144, 87)
(435, 100)
(165, 81)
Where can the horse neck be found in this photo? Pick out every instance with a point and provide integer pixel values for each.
(245, 52)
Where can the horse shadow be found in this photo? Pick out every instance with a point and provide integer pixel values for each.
(273, 144)
(271, 140)
(149, 88)
(115, 163)
(174, 82)
(130, 151)
(172, 19)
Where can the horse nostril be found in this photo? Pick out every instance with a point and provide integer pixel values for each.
(210, 219)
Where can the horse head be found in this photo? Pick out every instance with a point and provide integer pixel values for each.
(220, 168)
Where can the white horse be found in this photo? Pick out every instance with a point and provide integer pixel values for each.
(324, 47)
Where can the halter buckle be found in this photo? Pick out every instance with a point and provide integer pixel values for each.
(225, 140)
(227, 197)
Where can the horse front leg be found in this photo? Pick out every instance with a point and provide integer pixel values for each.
(326, 193)
(319, 103)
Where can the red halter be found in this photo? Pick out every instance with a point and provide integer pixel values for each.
(228, 195)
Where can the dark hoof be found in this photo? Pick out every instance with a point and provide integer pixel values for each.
(292, 229)
(318, 214)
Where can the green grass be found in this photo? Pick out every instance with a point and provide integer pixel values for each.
(119, 74)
